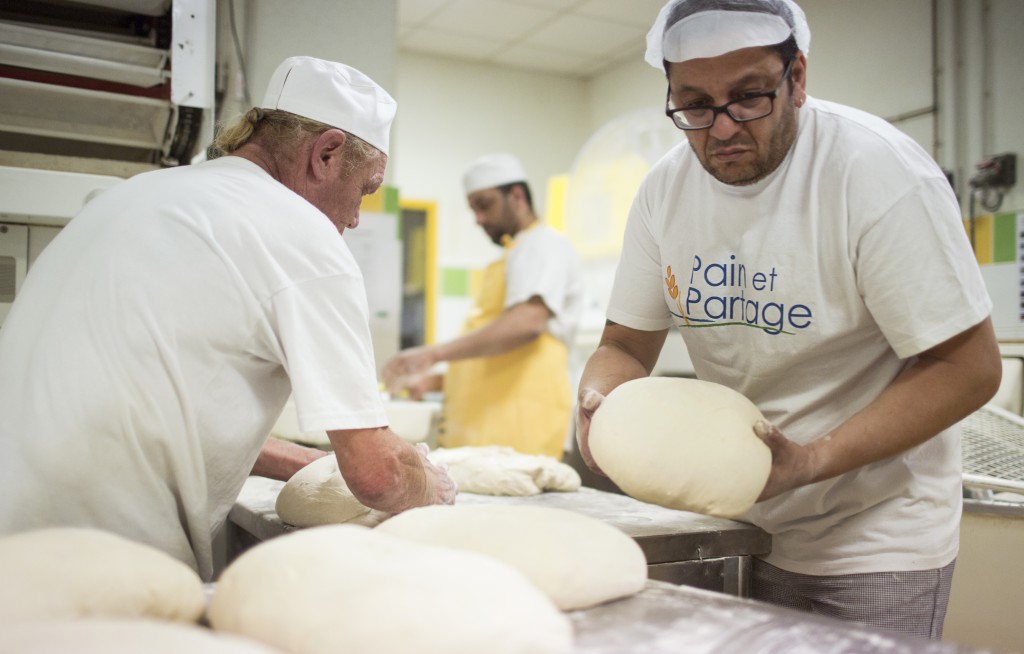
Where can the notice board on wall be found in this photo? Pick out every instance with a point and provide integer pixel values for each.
(999, 247)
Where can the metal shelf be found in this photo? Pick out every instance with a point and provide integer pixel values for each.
(98, 116)
(73, 54)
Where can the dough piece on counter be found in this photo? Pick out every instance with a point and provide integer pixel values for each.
(109, 636)
(498, 470)
(578, 561)
(318, 495)
(683, 444)
(74, 572)
(345, 588)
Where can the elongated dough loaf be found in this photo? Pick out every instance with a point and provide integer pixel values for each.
(346, 588)
(578, 561)
(77, 572)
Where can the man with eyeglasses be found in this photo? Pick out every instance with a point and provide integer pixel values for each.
(814, 259)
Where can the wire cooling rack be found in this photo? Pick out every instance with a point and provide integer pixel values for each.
(993, 450)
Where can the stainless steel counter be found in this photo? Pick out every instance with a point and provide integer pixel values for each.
(681, 547)
(664, 618)
(669, 619)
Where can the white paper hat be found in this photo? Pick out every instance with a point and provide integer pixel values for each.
(697, 29)
(333, 94)
(492, 170)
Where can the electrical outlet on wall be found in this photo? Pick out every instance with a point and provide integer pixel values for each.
(997, 171)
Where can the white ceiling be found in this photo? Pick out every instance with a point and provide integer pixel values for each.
(581, 38)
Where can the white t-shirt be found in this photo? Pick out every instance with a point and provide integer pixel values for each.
(544, 264)
(154, 344)
(809, 292)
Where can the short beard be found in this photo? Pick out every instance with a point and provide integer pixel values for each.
(778, 147)
(507, 226)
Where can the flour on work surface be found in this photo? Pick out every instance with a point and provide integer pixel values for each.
(345, 588)
(498, 470)
(578, 561)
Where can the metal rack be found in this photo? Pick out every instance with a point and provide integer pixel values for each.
(993, 450)
(92, 92)
(125, 80)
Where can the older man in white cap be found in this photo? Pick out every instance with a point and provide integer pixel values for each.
(507, 382)
(814, 259)
(160, 334)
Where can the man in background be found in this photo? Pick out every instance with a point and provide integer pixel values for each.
(158, 337)
(507, 381)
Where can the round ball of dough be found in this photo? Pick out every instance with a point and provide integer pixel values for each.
(578, 561)
(346, 588)
(683, 444)
(73, 572)
(109, 636)
(318, 495)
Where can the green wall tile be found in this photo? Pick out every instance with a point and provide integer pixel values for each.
(1004, 237)
(390, 199)
(455, 282)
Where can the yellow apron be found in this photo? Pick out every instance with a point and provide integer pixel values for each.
(520, 399)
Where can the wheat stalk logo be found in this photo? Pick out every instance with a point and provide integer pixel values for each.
(673, 290)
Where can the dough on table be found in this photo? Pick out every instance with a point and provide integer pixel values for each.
(78, 572)
(499, 470)
(346, 588)
(318, 495)
(122, 636)
(578, 561)
(683, 444)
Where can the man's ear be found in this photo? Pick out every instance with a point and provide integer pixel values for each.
(799, 74)
(517, 194)
(325, 157)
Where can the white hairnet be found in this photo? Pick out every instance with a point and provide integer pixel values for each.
(696, 29)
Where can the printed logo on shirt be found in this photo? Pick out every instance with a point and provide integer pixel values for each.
(727, 293)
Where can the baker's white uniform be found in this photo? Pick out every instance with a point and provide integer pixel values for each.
(809, 292)
(154, 344)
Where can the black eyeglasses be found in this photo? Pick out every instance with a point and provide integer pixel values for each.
(743, 110)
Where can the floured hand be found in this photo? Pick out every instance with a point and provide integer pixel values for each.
(793, 465)
(588, 403)
(444, 487)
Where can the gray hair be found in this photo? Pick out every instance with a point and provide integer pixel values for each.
(284, 132)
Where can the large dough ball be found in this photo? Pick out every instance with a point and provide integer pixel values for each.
(345, 588)
(71, 573)
(683, 444)
(576, 560)
(109, 636)
(318, 495)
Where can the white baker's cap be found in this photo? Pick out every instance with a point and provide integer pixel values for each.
(698, 29)
(333, 94)
(492, 170)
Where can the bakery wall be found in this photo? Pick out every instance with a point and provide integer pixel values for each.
(873, 54)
